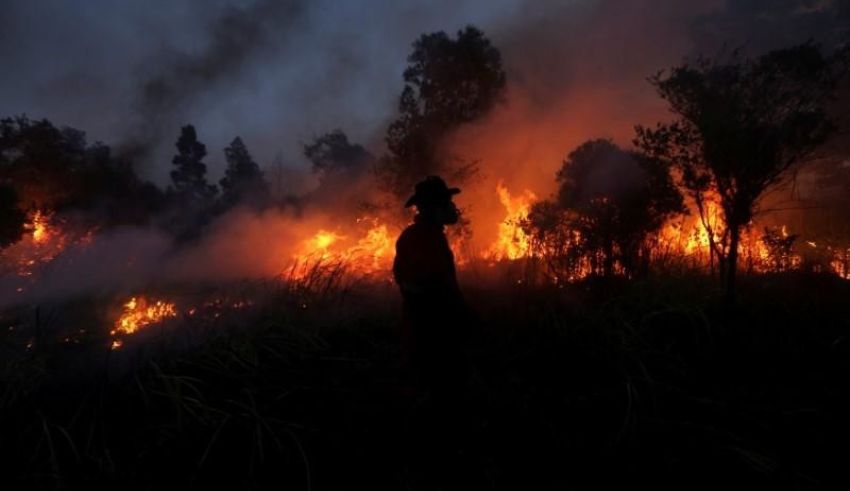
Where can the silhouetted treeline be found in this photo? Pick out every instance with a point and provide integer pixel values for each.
(741, 126)
(448, 82)
(51, 169)
(56, 169)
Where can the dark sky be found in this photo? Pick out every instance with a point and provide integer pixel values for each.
(130, 72)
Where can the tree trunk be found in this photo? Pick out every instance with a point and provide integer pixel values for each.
(732, 262)
(608, 262)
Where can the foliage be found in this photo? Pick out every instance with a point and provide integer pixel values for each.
(741, 124)
(780, 249)
(189, 174)
(608, 202)
(243, 181)
(344, 170)
(192, 199)
(448, 82)
(333, 156)
(55, 169)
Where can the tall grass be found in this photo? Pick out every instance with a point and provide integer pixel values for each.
(588, 385)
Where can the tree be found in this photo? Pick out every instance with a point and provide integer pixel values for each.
(740, 124)
(12, 218)
(189, 175)
(332, 155)
(243, 181)
(54, 169)
(192, 199)
(41, 161)
(610, 200)
(343, 169)
(448, 82)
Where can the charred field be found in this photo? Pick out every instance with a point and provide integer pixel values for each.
(596, 384)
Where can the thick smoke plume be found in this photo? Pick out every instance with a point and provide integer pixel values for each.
(279, 72)
(176, 80)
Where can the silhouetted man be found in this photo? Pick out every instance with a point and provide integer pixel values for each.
(435, 314)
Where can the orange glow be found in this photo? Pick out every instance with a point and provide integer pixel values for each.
(512, 242)
(318, 247)
(368, 255)
(139, 312)
(39, 228)
(374, 249)
(43, 241)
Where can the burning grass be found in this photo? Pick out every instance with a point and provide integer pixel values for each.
(605, 382)
(138, 313)
(364, 248)
(370, 254)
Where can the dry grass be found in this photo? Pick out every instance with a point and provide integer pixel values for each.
(597, 384)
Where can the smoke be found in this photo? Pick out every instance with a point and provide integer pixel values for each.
(241, 244)
(174, 81)
(280, 72)
(277, 73)
(578, 71)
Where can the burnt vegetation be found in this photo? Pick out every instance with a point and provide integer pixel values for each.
(606, 355)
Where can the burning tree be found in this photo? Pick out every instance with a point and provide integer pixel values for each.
(741, 124)
(448, 82)
(55, 170)
(779, 247)
(608, 202)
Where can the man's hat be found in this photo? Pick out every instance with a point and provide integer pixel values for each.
(430, 190)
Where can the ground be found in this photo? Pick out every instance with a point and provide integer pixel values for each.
(603, 383)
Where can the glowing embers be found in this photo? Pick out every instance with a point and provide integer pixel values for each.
(512, 242)
(139, 312)
(369, 254)
(38, 226)
(43, 240)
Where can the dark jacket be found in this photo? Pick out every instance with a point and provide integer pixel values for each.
(424, 268)
(435, 314)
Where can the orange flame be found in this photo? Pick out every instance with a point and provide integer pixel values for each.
(512, 242)
(368, 255)
(39, 228)
(138, 313)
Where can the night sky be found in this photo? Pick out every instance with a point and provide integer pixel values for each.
(130, 73)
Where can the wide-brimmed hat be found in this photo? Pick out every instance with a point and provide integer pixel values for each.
(432, 189)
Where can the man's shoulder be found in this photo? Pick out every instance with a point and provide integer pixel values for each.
(419, 232)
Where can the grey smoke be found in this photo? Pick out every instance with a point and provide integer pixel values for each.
(277, 73)
(174, 80)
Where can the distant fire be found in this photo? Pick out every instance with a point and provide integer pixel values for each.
(44, 239)
(139, 312)
(39, 228)
(369, 251)
(365, 248)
